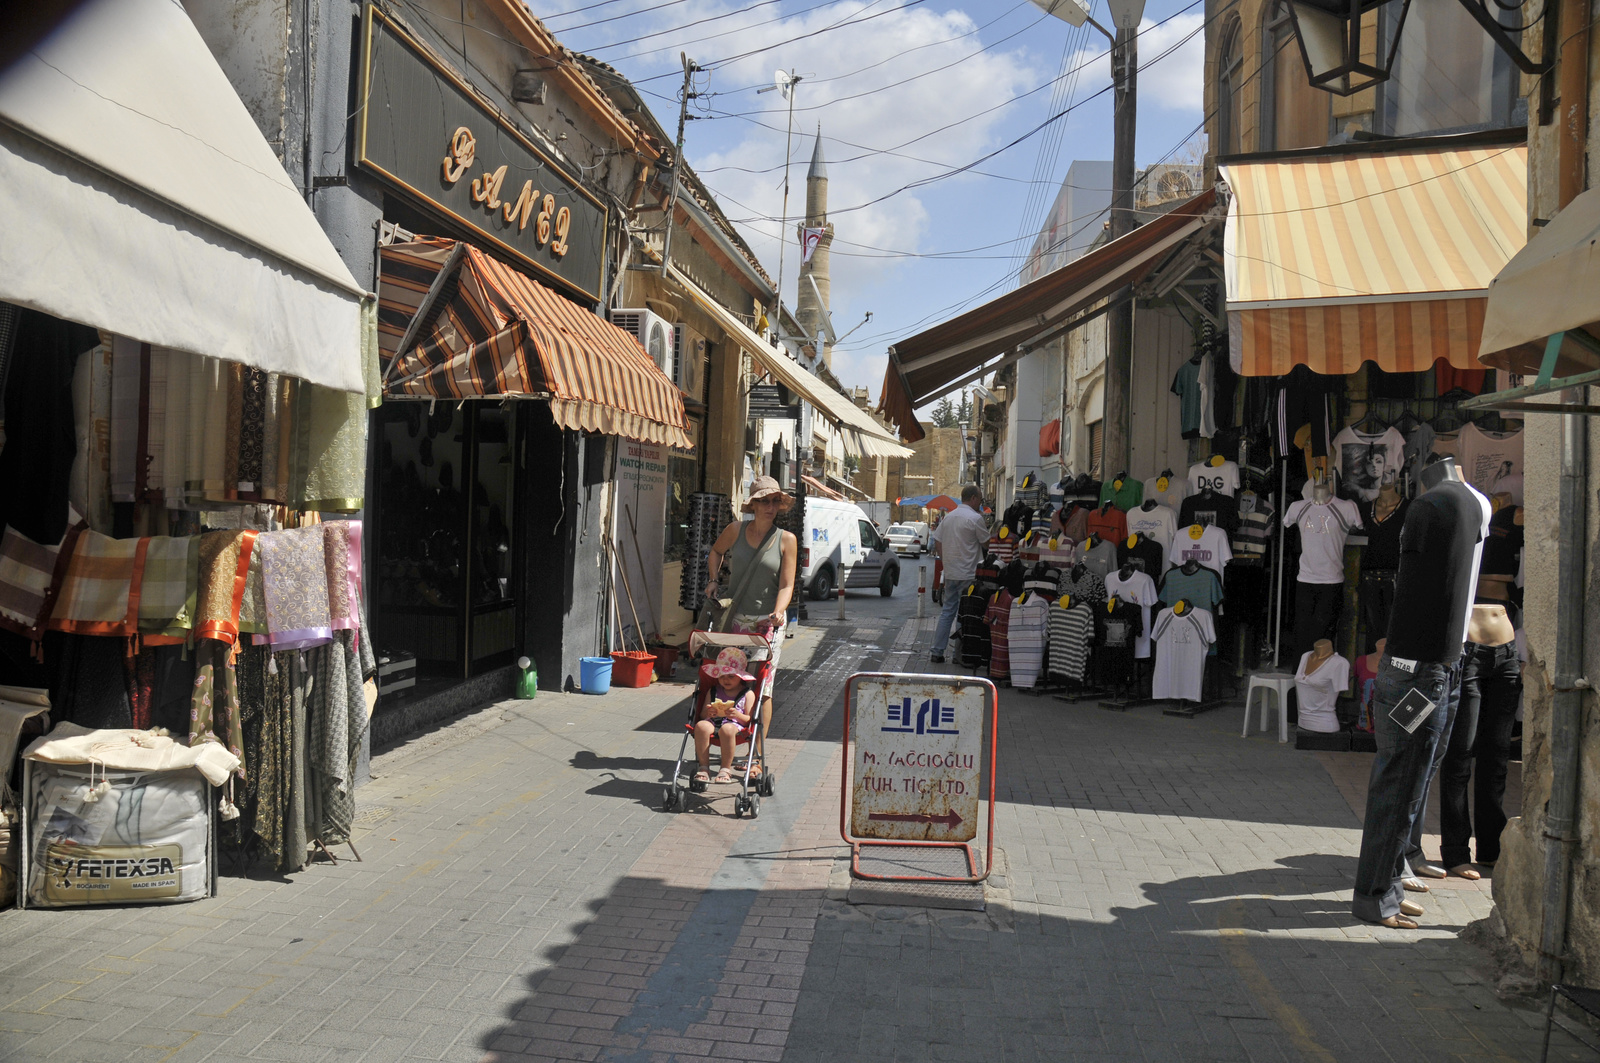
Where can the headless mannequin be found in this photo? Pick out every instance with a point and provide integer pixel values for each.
(1148, 504)
(1387, 502)
(1370, 661)
(1189, 567)
(1321, 651)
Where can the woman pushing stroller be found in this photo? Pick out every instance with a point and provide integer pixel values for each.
(761, 560)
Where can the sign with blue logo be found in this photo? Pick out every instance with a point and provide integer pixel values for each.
(917, 746)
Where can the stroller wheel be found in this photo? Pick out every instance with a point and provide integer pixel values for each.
(754, 805)
(739, 806)
(767, 784)
(669, 798)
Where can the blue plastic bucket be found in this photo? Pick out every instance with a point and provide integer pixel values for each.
(594, 674)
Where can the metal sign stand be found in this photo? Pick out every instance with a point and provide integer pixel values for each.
(880, 805)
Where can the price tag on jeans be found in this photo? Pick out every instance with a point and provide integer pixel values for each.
(1411, 710)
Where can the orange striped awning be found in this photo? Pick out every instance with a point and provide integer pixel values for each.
(494, 332)
(1334, 260)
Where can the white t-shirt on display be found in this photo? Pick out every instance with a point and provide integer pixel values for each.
(1318, 692)
(1367, 459)
(1211, 549)
(1177, 490)
(1323, 530)
(1223, 479)
(1139, 589)
(1182, 643)
(1158, 523)
(1492, 461)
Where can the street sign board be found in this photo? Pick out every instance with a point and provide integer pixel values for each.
(917, 745)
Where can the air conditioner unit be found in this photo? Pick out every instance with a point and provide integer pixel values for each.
(689, 361)
(654, 333)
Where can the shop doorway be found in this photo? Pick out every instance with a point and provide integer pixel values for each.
(449, 556)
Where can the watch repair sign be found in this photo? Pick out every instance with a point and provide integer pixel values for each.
(917, 747)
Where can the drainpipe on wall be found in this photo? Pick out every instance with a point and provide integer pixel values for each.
(1566, 707)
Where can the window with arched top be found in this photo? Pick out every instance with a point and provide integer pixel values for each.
(1230, 64)
(1293, 114)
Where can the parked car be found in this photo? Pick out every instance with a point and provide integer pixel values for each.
(840, 543)
(910, 537)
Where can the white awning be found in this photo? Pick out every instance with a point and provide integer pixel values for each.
(140, 198)
(861, 435)
(1551, 286)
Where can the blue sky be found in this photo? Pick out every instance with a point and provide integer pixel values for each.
(905, 91)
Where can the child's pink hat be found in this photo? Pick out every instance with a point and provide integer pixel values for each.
(731, 662)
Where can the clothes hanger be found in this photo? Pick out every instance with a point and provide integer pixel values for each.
(1148, 504)
(1406, 422)
(1125, 572)
(1190, 567)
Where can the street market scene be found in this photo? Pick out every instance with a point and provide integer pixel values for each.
(573, 531)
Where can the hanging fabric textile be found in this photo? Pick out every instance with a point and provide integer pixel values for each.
(295, 578)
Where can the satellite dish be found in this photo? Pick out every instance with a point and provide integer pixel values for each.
(783, 81)
(1072, 12)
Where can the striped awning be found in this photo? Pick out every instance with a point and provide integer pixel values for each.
(1333, 260)
(493, 332)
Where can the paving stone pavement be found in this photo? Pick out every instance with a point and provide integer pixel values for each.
(1168, 890)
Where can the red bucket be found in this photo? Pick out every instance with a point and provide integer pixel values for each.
(631, 668)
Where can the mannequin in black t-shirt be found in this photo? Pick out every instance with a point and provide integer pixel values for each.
(1381, 519)
(1439, 546)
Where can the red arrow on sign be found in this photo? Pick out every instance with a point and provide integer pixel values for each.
(949, 819)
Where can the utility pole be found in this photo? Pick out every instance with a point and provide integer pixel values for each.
(785, 84)
(1119, 321)
(1126, 15)
(690, 69)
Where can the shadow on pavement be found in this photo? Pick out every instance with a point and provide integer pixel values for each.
(1245, 966)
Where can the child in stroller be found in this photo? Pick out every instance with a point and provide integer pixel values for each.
(727, 713)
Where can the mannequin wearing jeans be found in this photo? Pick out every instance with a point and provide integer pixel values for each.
(1491, 684)
(1440, 545)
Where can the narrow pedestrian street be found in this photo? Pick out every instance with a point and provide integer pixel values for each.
(1166, 890)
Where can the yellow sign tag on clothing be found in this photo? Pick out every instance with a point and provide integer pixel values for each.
(1180, 607)
(1196, 530)
(1216, 461)
(1065, 601)
(1162, 483)
(1005, 532)
(1116, 485)
(1133, 540)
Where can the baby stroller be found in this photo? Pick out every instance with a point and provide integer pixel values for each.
(703, 648)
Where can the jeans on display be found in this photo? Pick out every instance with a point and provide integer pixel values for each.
(1316, 613)
(951, 600)
(1491, 685)
(1377, 602)
(1398, 786)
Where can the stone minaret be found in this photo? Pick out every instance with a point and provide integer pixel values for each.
(809, 310)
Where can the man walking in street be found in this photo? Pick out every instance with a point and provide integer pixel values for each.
(959, 543)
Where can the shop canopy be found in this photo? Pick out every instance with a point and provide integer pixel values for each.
(963, 349)
(139, 197)
(1543, 318)
(928, 501)
(862, 436)
(1336, 259)
(480, 329)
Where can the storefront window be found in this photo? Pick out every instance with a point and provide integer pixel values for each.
(447, 556)
(683, 480)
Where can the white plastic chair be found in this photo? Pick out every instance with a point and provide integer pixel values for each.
(1278, 684)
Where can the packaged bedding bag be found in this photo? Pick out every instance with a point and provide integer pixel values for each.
(116, 837)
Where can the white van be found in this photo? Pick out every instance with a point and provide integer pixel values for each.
(840, 541)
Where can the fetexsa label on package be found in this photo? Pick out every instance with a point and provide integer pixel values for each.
(96, 874)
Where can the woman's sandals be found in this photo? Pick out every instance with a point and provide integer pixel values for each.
(1466, 871)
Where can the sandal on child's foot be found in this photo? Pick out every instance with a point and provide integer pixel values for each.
(702, 775)
(1466, 871)
(723, 777)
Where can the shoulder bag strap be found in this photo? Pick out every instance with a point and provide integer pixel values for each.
(744, 580)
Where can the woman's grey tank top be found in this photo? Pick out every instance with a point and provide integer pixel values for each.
(761, 593)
